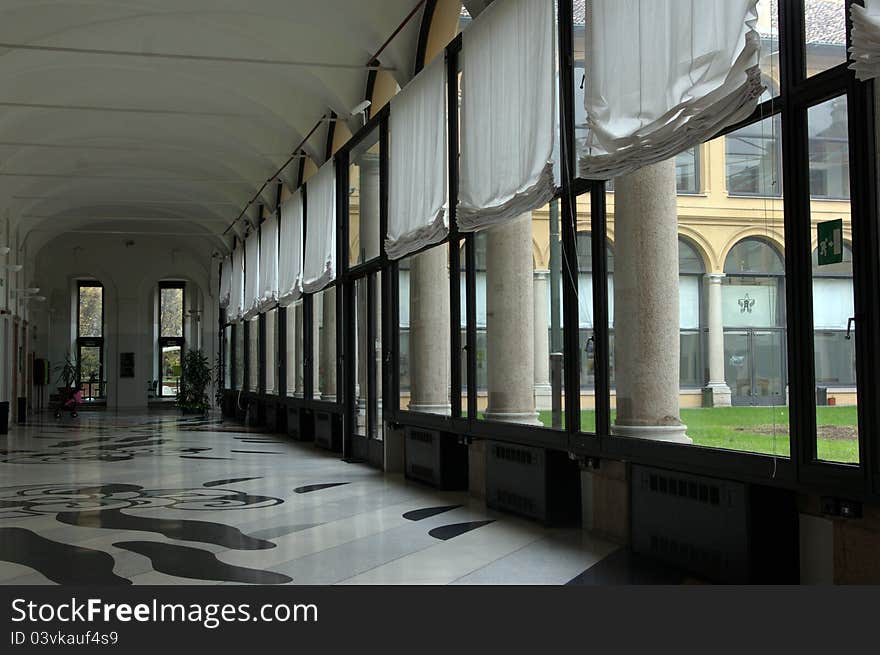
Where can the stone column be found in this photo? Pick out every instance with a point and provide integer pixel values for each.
(646, 305)
(298, 368)
(328, 346)
(716, 393)
(510, 315)
(543, 389)
(429, 332)
(317, 319)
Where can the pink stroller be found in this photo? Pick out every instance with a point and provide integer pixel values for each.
(69, 401)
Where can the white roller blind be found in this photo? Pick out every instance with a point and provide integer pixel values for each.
(417, 203)
(663, 76)
(508, 112)
(236, 297)
(251, 275)
(225, 280)
(290, 255)
(320, 253)
(865, 48)
(268, 263)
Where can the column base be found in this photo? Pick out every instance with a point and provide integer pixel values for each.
(717, 395)
(442, 410)
(667, 433)
(329, 397)
(544, 396)
(521, 418)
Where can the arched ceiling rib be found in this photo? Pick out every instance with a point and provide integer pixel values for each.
(148, 113)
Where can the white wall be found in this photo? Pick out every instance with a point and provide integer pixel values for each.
(130, 275)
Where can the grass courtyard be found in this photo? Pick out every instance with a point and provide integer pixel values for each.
(760, 430)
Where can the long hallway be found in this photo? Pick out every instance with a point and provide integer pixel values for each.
(155, 499)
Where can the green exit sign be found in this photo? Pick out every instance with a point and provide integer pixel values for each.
(831, 242)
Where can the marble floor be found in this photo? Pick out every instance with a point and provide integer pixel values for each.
(159, 499)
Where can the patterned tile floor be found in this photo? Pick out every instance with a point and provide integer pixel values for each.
(158, 499)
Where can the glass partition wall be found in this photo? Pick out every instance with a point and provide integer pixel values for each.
(764, 344)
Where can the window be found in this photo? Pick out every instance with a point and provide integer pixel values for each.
(690, 289)
(829, 150)
(754, 159)
(363, 182)
(171, 337)
(271, 349)
(825, 34)
(90, 341)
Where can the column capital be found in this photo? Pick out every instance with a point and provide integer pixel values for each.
(715, 278)
(542, 274)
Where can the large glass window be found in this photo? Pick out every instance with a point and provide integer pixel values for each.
(90, 341)
(754, 159)
(834, 333)
(171, 337)
(363, 185)
(294, 349)
(324, 344)
(825, 34)
(227, 357)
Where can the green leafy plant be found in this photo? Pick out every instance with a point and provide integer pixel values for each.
(195, 376)
(218, 383)
(66, 372)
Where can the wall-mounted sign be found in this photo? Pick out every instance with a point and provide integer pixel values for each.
(830, 242)
(126, 365)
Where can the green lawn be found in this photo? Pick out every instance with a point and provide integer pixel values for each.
(758, 429)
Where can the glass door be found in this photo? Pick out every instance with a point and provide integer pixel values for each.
(754, 367)
(365, 410)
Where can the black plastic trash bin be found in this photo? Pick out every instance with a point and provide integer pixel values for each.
(4, 417)
(22, 410)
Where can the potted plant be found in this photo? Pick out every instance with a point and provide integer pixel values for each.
(195, 376)
(66, 375)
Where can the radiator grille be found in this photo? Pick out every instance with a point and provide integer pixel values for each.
(511, 454)
(422, 472)
(422, 436)
(697, 491)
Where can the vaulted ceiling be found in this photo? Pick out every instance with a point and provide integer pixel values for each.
(169, 115)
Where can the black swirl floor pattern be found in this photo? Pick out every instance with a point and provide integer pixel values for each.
(158, 499)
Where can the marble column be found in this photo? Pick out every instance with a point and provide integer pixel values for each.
(328, 346)
(298, 368)
(646, 305)
(717, 393)
(429, 332)
(317, 319)
(510, 316)
(543, 389)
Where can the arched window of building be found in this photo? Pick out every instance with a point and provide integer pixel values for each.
(691, 270)
(90, 340)
(753, 312)
(833, 306)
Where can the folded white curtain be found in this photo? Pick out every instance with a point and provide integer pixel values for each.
(251, 276)
(225, 280)
(418, 195)
(319, 268)
(268, 296)
(663, 76)
(290, 256)
(508, 112)
(865, 48)
(236, 295)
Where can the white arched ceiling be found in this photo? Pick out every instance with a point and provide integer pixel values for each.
(122, 135)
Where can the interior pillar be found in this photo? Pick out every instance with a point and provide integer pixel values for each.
(646, 305)
(328, 346)
(510, 316)
(429, 332)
